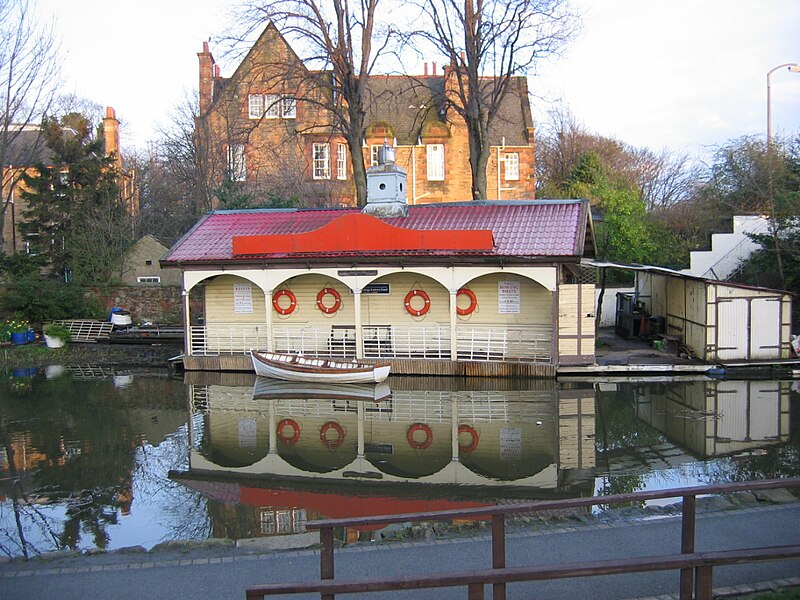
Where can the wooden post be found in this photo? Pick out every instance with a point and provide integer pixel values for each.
(499, 552)
(704, 580)
(688, 512)
(326, 558)
(475, 591)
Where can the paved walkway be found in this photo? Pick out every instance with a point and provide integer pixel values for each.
(224, 573)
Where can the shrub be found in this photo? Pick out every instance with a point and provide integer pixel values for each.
(56, 330)
(42, 300)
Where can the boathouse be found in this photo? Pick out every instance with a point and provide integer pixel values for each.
(472, 288)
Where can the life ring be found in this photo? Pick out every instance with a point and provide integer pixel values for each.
(473, 302)
(473, 434)
(295, 431)
(276, 297)
(412, 429)
(337, 300)
(323, 435)
(425, 307)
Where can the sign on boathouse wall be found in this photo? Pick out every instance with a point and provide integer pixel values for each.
(508, 294)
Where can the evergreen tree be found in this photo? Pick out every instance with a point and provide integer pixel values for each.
(74, 207)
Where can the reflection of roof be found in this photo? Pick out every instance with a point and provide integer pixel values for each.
(525, 230)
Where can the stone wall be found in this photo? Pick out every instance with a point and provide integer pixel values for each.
(155, 304)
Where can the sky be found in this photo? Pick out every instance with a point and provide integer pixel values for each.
(686, 75)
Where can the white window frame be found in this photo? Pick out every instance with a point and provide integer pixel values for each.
(374, 149)
(255, 106)
(321, 158)
(341, 161)
(272, 106)
(237, 162)
(149, 279)
(511, 166)
(289, 107)
(434, 154)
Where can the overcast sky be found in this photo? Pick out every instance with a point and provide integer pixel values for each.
(682, 74)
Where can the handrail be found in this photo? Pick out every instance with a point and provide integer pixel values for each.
(702, 562)
(692, 576)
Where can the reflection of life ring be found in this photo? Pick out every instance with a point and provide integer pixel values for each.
(295, 431)
(473, 434)
(473, 301)
(412, 429)
(276, 297)
(425, 307)
(337, 301)
(323, 435)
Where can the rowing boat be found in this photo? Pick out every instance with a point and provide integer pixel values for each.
(266, 388)
(294, 367)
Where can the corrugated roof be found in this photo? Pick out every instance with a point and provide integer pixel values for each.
(539, 229)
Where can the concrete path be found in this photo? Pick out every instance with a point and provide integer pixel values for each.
(224, 574)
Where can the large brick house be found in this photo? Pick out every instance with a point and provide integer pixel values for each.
(26, 149)
(264, 128)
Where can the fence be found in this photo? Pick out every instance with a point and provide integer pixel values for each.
(696, 569)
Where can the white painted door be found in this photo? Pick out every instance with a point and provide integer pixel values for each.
(765, 328)
(732, 329)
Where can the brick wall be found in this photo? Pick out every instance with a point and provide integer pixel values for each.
(156, 304)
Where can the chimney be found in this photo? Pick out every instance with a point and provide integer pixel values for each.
(207, 70)
(386, 187)
(434, 69)
(426, 69)
(111, 136)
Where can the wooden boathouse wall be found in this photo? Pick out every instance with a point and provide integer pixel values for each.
(241, 362)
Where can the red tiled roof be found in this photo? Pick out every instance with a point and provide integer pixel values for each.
(540, 229)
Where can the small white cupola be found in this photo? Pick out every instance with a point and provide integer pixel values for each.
(386, 186)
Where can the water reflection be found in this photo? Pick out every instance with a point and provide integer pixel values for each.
(93, 458)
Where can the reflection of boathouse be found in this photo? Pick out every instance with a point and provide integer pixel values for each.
(477, 288)
(431, 437)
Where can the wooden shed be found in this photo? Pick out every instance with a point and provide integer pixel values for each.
(717, 320)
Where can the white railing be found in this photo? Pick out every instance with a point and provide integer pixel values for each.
(226, 338)
(484, 343)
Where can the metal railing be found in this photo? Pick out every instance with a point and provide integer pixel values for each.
(696, 569)
(477, 343)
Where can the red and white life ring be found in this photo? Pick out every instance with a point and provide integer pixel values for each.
(473, 442)
(473, 302)
(417, 312)
(276, 297)
(332, 442)
(288, 439)
(412, 429)
(337, 300)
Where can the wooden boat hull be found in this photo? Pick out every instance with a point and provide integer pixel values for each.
(289, 367)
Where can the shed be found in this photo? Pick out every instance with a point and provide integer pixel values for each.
(717, 320)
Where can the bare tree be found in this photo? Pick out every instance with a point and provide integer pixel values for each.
(489, 43)
(29, 69)
(340, 43)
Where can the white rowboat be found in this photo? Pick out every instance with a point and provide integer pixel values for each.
(266, 388)
(292, 367)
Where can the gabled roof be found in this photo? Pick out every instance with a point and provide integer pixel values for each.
(544, 230)
(27, 148)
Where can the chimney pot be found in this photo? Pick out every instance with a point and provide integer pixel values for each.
(205, 46)
(434, 69)
(426, 69)
(216, 70)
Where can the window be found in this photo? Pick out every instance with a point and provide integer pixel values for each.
(511, 166)
(322, 161)
(435, 157)
(237, 167)
(289, 107)
(373, 154)
(154, 279)
(272, 106)
(341, 161)
(255, 106)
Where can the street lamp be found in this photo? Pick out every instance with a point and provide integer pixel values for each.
(793, 68)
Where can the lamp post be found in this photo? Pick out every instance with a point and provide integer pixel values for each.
(793, 68)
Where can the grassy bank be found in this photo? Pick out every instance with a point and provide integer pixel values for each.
(129, 355)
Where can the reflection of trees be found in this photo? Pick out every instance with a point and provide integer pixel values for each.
(620, 432)
(79, 441)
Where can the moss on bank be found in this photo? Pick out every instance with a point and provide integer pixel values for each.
(128, 355)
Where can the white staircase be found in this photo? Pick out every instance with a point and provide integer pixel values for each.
(727, 250)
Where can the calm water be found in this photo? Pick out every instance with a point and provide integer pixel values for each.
(93, 459)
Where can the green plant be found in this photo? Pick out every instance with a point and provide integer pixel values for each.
(56, 330)
(12, 326)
